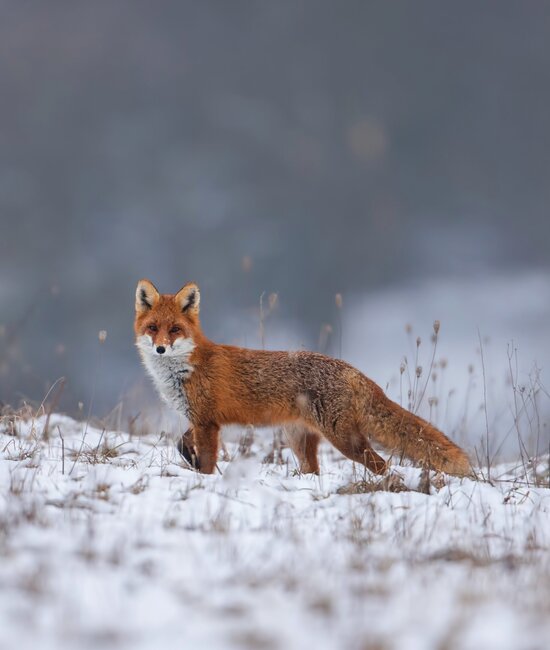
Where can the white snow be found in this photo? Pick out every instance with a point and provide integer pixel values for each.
(115, 544)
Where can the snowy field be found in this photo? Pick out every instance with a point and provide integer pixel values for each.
(107, 541)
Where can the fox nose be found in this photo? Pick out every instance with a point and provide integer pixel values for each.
(161, 349)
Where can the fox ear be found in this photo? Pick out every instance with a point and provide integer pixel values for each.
(146, 296)
(188, 299)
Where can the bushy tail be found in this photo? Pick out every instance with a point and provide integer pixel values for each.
(406, 434)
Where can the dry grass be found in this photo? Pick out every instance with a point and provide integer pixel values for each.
(356, 542)
(360, 542)
(392, 482)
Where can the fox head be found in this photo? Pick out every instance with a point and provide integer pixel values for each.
(167, 325)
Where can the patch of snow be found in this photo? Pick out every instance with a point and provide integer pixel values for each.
(110, 541)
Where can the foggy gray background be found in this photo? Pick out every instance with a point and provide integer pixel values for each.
(304, 148)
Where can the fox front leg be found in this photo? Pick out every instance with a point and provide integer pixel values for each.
(206, 440)
(186, 448)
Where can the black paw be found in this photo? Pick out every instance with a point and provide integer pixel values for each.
(188, 453)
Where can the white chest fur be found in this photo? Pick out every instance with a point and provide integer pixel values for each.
(168, 371)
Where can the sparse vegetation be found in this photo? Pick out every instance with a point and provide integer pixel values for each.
(258, 538)
(335, 556)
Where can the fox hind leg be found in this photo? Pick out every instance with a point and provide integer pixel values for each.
(356, 447)
(304, 443)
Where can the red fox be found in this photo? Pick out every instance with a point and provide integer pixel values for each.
(312, 395)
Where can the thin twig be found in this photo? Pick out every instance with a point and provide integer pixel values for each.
(53, 406)
(62, 451)
(262, 330)
(485, 408)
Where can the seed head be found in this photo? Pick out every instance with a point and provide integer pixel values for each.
(418, 371)
(437, 325)
(273, 298)
(326, 331)
(102, 335)
(338, 300)
(246, 264)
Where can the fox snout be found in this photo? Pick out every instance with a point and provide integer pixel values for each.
(163, 347)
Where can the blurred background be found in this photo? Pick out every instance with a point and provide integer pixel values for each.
(397, 154)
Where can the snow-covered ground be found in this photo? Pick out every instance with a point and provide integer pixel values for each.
(108, 541)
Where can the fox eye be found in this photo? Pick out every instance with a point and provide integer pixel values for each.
(175, 329)
(153, 328)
